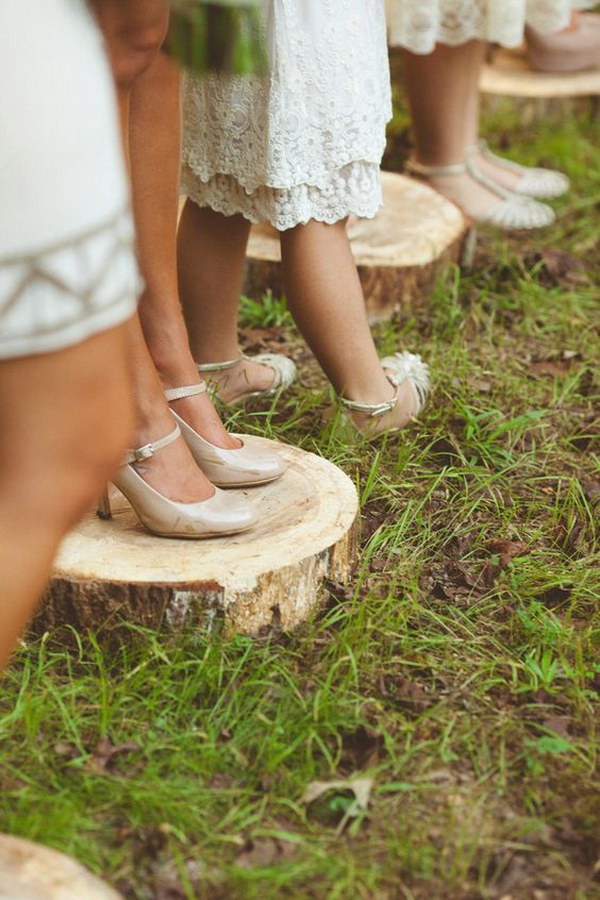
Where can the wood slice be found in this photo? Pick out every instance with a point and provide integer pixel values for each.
(33, 872)
(112, 572)
(400, 253)
(538, 94)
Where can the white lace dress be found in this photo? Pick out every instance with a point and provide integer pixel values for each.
(67, 265)
(305, 141)
(418, 25)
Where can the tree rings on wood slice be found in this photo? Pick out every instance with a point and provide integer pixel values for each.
(114, 572)
(400, 253)
(539, 95)
(33, 872)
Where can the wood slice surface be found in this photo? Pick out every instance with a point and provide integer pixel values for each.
(538, 94)
(400, 253)
(112, 572)
(33, 872)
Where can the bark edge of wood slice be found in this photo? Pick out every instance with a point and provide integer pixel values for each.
(399, 254)
(111, 573)
(31, 871)
(538, 95)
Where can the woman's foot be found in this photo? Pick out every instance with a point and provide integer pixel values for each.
(246, 465)
(236, 380)
(408, 378)
(481, 198)
(200, 414)
(172, 472)
(539, 183)
(214, 516)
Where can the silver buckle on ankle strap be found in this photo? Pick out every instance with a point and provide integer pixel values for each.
(141, 453)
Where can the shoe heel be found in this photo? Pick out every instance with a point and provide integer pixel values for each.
(103, 510)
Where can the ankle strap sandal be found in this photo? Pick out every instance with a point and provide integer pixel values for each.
(284, 374)
(513, 212)
(400, 367)
(540, 183)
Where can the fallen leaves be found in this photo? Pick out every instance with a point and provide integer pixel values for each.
(342, 799)
(557, 268)
(264, 851)
(103, 759)
(507, 550)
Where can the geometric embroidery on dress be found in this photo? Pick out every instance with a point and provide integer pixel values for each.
(87, 268)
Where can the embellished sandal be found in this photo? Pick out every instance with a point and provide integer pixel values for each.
(219, 515)
(540, 183)
(244, 466)
(512, 212)
(401, 368)
(284, 370)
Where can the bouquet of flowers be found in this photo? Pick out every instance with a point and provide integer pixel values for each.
(217, 35)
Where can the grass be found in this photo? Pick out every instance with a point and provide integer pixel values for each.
(460, 672)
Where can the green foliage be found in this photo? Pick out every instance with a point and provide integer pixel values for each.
(217, 37)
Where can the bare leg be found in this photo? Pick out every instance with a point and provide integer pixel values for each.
(326, 302)
(212, 250)
(66, 418)
(134, 32)
(155, 152)
(443, 92)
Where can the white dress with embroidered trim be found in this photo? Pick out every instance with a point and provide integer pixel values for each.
(304, 141)
(67, 263)
(418, 25)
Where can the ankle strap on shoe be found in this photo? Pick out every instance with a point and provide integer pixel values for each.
(147, 451)
(417, 168)
(375, 410)
(189, 391)
(220, 366)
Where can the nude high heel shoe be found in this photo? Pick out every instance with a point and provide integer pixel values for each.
(245, 466)
(219, 515)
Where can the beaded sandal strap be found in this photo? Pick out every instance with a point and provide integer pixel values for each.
(417, 168)
(375, 410)
(188, 391)
(219, 366)
(148, 450)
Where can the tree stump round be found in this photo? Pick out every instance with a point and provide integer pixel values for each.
(400, 253)
(114, 572)
(33, 872)
(538, 95)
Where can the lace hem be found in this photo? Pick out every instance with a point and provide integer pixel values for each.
(418, 25)
(353, 189)
(62, 295)
(242, 128)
